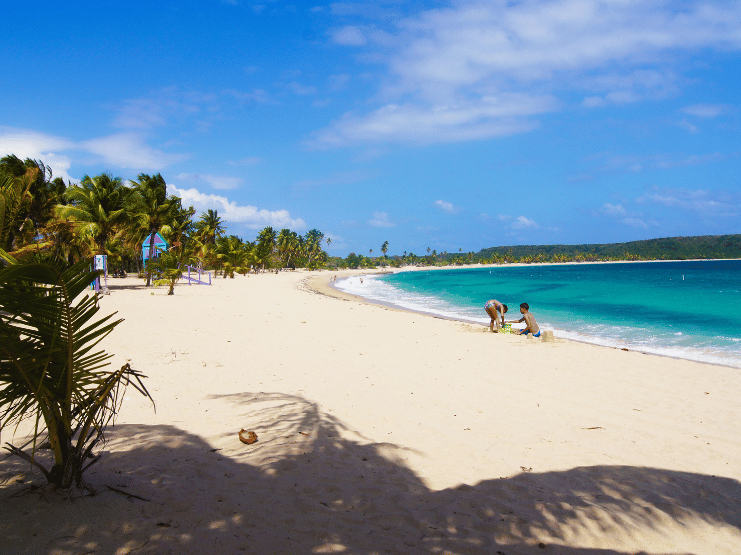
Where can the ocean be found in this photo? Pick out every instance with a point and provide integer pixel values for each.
(687, 309)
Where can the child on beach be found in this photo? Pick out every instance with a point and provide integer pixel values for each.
(496, 311)
(531, 326)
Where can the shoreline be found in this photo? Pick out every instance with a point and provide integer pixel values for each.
(325, 287)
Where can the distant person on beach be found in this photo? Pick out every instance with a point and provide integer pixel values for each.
(496, 311)
(531, 326)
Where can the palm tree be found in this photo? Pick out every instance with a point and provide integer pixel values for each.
(313, 246)
(34, 207)
(14, 197)
(97, 207)
(49, 369)
(233, 252)
(288, 245)
(266, 241)
(208, 228)
(152, 209)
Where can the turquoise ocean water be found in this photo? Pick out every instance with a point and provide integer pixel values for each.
(686, 309)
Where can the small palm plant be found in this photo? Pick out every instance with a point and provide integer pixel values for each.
(167, 268)
(50, 368)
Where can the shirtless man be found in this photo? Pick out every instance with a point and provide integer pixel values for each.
(531, 326)
(496, 311)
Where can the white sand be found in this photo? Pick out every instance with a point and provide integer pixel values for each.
(382, 431)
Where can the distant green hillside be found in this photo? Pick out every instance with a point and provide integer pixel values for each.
(669, 248)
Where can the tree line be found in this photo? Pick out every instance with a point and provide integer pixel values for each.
(667, 248)
(44, 216)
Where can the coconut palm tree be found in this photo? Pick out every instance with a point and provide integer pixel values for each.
(266, 242)
(49, 366)
(208, 228)
(97, 206)
(152, 209)
(313, 246)
(288, 245)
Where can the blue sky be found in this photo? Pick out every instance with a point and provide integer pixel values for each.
(449, 125)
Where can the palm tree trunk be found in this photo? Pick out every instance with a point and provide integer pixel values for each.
(149, 266)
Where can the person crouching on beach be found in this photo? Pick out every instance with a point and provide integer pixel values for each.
(531, 326)
(496, 311)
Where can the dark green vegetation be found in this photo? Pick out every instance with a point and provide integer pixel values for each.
(50, 370)
(113, 216)
(669, 248)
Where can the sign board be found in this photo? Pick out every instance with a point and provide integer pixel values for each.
(100, 262)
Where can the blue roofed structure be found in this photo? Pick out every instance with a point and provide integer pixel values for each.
(159, 243)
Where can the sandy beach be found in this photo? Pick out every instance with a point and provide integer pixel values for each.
(384, 431)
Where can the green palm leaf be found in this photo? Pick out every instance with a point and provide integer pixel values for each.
(50, 366)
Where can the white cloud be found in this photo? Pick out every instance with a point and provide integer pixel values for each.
(687, 126)
(635, 222)
(521, 222)
(705, 110)
(249, 216)
(446, 206)
(700, 201)
(614, 209)
(442, 64)
(156, 109)
(491, 116)
(216, 181)
(37, 146)
(349, 36)
(128, 150)
(380, 219)
(122, 150)
(619, 212)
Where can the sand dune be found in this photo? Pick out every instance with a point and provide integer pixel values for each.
(383, 431)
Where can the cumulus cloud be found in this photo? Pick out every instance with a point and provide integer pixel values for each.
(249, 216)
(381, 219)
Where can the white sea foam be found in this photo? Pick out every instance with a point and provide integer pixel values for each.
(675, 345)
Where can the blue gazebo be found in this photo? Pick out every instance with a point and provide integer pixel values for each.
(159, 243)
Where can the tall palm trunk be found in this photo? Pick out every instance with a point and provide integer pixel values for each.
(149, 266)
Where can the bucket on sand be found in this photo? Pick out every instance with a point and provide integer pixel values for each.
(506, 328)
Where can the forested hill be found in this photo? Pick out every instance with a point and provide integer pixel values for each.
(669, 248)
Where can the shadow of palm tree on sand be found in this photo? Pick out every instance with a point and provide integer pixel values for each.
(311, 484)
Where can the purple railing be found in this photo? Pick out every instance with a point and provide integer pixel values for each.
(193, 272)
